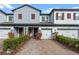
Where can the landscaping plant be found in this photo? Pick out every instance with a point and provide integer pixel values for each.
(13, 43)
(71, 42)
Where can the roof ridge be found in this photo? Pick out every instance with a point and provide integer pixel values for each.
(26, 5)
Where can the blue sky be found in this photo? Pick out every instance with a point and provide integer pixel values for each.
(46, 8)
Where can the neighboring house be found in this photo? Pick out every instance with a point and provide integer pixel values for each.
(27, 19)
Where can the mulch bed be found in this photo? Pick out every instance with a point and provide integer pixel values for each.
(68, 47)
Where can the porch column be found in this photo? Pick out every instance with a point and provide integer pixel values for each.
(25, 30)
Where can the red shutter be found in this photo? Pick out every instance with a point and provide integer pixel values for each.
(19, 16)
(56, 16)
(74, 16)
(62, 16)
(33, 16)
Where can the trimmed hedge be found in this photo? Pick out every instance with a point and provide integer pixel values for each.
(13, 43)
(71, 42)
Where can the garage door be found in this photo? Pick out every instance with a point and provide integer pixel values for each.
(4, 33)
(46, 34)
(69, 33)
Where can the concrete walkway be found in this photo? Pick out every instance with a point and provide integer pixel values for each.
(44, 47)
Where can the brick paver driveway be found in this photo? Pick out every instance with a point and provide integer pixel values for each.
(44, 47)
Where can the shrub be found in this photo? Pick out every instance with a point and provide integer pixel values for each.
(9, 44)
(13, 43)
(72, 42)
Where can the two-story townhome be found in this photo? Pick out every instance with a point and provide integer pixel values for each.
(66, 21)
(28, 19)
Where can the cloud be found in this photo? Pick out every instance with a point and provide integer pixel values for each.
(8, 6)
(48, 10)
(1, 6)
(75, 7)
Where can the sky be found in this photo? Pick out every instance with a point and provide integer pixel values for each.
(45, 8)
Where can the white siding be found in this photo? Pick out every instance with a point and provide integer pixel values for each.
(3, 17)
(65, 21)
(70, 31)
(26, 15)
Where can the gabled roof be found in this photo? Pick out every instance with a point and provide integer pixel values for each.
(26, 5)
(3, 12)
(64, 10)
(6, 13)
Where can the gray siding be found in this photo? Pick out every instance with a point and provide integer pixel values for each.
(26, 15)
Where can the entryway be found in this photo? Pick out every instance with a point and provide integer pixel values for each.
(33, 31)
(19, 30)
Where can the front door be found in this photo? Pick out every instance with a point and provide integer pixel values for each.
(33, 31)
(20, 31)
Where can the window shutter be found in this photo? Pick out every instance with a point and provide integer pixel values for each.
(74, 16)
(56, 16)
(62, 16)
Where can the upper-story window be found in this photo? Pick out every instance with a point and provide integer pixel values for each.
(10, 18)
(43, 18)
(19, 16)
(46, 17)
(59, 16)
(33, 16)
(76, 16)
(68, 15)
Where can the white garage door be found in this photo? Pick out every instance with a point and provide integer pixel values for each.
(46, 34)
(4, 33)
(69, 33)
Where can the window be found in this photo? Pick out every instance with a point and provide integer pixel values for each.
(19, 16)
(68, 15)
(76, 16)
(43, 18)
(10, 18)
(59, 16)
(46, 17)
(33, 16)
